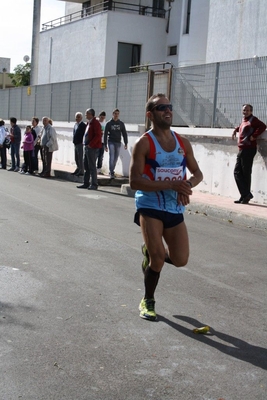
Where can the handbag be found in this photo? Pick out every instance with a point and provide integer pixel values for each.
(7, 142)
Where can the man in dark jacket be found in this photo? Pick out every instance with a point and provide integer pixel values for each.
(114, 130)
(78, 132)
(250, 128)
(92, 143)
(15, 137)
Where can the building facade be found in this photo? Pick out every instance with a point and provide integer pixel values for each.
(104, 38)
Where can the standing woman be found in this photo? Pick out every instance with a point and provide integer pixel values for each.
(37, 133)
(2, 144)
(49, 145)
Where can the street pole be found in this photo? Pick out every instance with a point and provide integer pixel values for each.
(4, 79)
(35, 41)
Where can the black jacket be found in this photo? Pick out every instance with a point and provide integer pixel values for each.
(78, 135)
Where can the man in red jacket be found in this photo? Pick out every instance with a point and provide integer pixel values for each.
(249, 129)
(92, 144)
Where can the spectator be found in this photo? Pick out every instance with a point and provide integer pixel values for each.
(250, 128)
(37, 133)
(49, 145)
(3, 135)
(92, 142)
(102, 120)
(28, 148)
(78, 133)
(15, 137)
(114, 130)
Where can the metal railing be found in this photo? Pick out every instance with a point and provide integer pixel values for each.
(208, 95)
(105, 6)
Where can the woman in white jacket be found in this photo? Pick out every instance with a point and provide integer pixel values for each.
(49, 145)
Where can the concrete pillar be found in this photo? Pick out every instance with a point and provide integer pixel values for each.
(35, 41)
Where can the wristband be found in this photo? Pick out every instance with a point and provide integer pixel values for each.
(190, 183)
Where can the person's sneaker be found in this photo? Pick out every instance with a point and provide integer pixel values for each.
(11, 169)
(145, 262)
(147, 309)
(16, 169)
(27, 173)
(22, 172)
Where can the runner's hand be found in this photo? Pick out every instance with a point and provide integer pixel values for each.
(183, 199)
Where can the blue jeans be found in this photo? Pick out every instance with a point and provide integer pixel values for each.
(114, 152)
(15, 153)
(100, 156)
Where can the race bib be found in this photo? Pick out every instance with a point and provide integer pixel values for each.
(169, 174)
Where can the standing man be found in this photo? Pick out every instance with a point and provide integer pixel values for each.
(102, 120)
(114, 129)
(158, 173)
(49, 145)
(92, 144)
(15, 137)
(249, 129)
(78, 132)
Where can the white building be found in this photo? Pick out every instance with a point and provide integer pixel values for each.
(103, 38)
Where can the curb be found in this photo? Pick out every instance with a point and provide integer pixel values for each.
(102, 180)
(207, 210)
(232, 217)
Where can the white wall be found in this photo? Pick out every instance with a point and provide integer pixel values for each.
(242, 30)
(87, 48)
(78, 50)
(193, 45)
(138, 29)
(214, 150)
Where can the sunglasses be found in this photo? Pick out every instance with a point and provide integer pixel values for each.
(162, 107)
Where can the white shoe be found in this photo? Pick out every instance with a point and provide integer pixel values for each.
(27, 173)
(22, 172)
(16, 169)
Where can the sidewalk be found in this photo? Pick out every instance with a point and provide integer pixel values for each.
(252, 215)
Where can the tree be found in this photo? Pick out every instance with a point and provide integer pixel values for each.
(21, 75)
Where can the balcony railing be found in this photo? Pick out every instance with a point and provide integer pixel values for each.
(105, 6)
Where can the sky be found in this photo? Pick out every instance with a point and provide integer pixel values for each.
(16, 26)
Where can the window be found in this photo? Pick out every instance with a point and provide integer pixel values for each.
(187, 17)
(158, 8)
(86, 8)
(128, 56)
(172, 50)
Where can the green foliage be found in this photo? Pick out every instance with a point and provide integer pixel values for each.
(21, 75)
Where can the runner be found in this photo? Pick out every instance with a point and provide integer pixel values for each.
(158, 173)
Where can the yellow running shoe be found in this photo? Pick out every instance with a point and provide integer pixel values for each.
(147, 309)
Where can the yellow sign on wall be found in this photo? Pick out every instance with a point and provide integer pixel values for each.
(29, 90)
(103, 83)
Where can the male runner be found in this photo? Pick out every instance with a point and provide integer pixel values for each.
(158, 173)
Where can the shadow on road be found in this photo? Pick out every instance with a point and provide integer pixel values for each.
(233, 347)
(7, 319)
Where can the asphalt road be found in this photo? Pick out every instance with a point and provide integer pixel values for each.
(70, 286)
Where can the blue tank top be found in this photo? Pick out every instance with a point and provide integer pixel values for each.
(163, 165)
